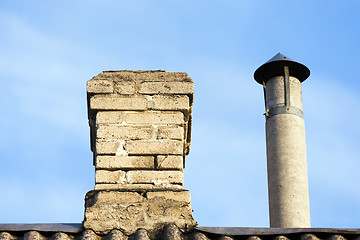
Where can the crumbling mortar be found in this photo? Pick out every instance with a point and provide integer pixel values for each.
(121, 148)
(156, 162)
(158, 165)
(137, 86)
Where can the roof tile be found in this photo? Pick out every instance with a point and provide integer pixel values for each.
(88, 235)
(198, 236)
(6, 236)
(171, 232)
(33, 235)
(60, 236)
(140, 234)
(309, 236)
(115, 235)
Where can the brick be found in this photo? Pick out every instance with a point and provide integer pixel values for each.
(118, 103)
(110, 147)
(125, 162)
(139, 118)
(169, 162)
(183, 196)
(109, 117)
(121, 197)
(124, 87)
(170, 132)
(124, 132)
(172, 147)
(100, 86)
(163, 102)
(155, 177)
(167, 88)
(105, 176)
(154, 117)
(137, 186)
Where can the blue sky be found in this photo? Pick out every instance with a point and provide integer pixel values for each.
(49, 49)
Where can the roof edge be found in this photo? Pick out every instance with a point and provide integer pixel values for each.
(43, 227)
(274, 231)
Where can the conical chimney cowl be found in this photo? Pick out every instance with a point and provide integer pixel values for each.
(275, 67)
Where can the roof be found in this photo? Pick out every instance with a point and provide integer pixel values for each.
(75, 231)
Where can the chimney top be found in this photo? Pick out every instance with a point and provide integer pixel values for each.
(275, 67)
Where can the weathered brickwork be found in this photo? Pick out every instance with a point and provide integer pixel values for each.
(140, 133)
(140, 120)
(151, 211)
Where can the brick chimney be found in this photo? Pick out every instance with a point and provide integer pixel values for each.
(140, 127)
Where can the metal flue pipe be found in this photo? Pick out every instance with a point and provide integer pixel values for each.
(281, 78)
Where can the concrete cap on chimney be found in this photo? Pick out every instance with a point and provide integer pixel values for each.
(275, 67)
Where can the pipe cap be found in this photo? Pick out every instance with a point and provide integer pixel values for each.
(275, 67)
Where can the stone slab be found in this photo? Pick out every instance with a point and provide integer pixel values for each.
(144, 76)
